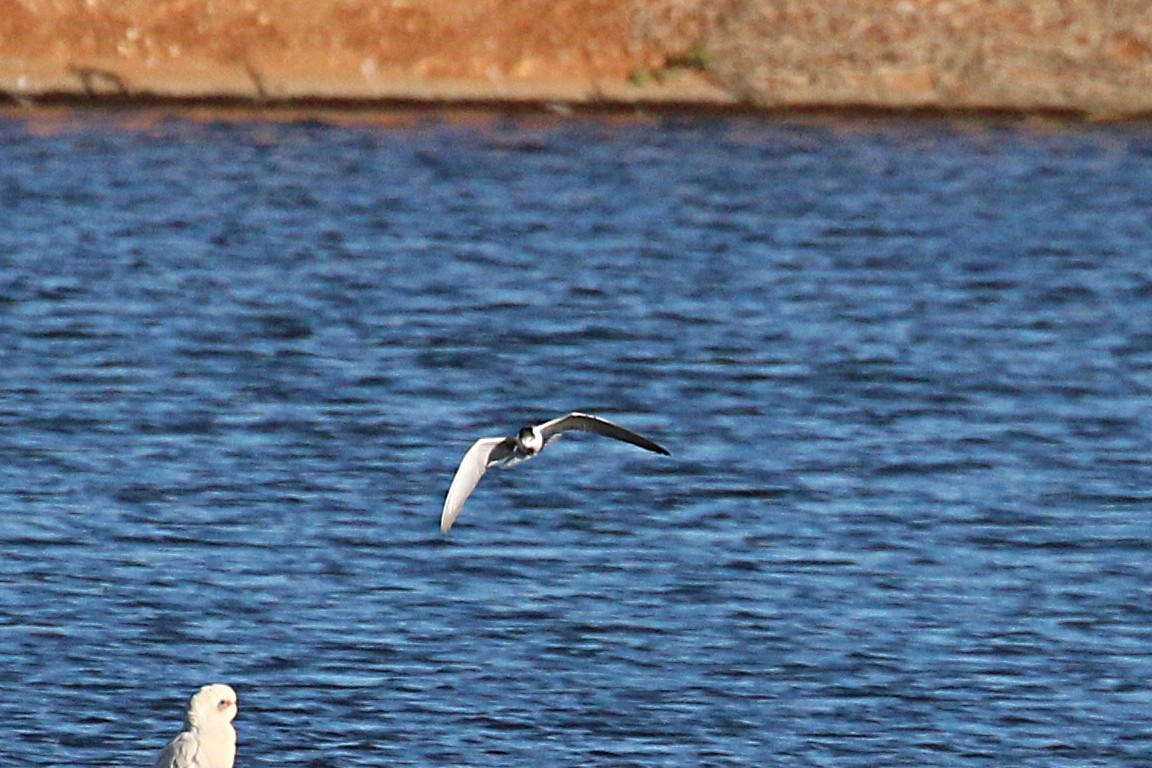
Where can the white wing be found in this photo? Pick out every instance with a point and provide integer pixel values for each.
(180, 752)
(472, 467)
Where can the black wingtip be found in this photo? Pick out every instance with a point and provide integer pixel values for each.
(648, 445)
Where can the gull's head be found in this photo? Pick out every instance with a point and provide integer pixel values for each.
(212, 705)
(529, 440)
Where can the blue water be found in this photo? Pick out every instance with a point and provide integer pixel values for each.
(904, 370)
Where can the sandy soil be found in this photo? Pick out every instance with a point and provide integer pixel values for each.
(1091, 57)
(1087, 57)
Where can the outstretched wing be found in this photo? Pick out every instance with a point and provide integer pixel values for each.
(584, 422)
(484, 453)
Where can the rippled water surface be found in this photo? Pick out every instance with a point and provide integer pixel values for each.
(904, 371)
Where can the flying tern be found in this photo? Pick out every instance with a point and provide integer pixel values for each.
(529, 441)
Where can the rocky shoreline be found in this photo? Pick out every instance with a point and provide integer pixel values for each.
(1070, 59)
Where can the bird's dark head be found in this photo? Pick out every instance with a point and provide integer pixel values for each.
(529, 440)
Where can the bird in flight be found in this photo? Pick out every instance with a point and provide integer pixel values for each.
(529, 441)
(208, 739)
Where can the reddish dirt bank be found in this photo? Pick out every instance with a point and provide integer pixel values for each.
(1079, 56)
(487, 50)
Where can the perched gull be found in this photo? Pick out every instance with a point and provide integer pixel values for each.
(529, 441)
(208, 739)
